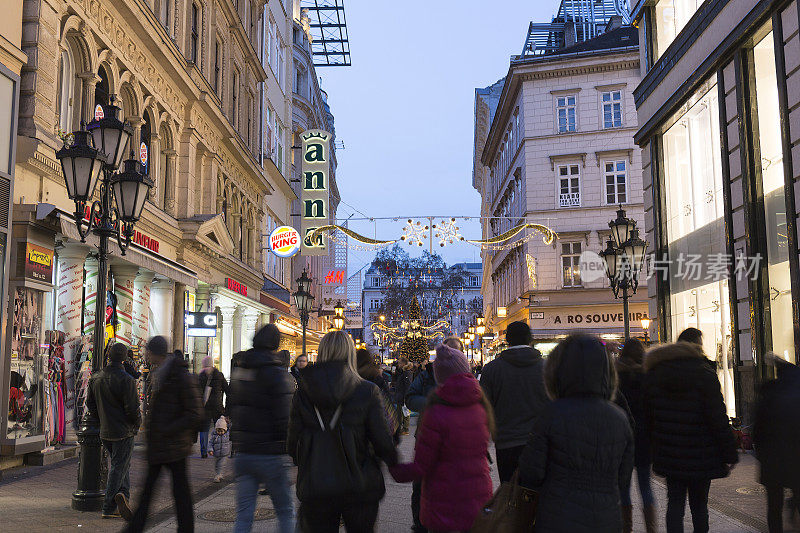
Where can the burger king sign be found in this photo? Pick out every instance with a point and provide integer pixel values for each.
(284, 241)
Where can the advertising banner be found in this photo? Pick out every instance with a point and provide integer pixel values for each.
(315, 196)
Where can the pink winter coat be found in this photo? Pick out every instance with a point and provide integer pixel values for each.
(450, 457)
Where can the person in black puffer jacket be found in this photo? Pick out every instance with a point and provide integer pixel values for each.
(403, 376)
(337, 433)
(581, 449)
(259, 404)
(174, 416)
(690, 432)
(217, 385)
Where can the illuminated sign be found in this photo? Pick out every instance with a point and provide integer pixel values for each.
(314, 199)
(201, 324)
(98, 112)
(38, 263)
(143, 155)
(236, 286)
(284, 241)
(334, 277)
(145, 241)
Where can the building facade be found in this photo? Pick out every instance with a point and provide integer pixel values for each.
(719, 115)
(196, 80)
(554, 146)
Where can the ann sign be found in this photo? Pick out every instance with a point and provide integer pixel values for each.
(315, 198)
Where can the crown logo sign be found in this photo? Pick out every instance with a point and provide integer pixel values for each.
(310, 136)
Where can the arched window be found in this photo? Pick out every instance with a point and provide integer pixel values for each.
(101, 90)
(66, 91)
(165, 166)
(144, 143)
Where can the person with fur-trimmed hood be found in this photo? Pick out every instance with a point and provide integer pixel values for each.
(580, 452)
(692, 441)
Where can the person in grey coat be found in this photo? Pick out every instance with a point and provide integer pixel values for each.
(581, 449)
(514, 385)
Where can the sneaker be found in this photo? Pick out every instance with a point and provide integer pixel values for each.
(218, 478)
(123, 507)
(114, 514)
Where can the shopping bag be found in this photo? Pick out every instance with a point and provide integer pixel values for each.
(512, 509)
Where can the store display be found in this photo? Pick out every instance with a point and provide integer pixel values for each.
(27, 365)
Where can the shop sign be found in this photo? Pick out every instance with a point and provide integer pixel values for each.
(98, 112)
(236, 286)
(314, 198)
(589, 317)
(145, 241)
(535, 315)
(284, 241)
(143, 156)
(38, 263)
(597, 318)
(201, 324)
(334, 277)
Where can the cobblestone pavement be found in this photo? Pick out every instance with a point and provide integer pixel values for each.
(37, 499)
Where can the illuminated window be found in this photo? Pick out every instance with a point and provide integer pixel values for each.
(570, 261)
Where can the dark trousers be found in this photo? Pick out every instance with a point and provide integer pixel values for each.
(775, 506)
(416, 494)
(180, 492)
(508, 462)
(119, 471)
(697, 490)
(324, 517)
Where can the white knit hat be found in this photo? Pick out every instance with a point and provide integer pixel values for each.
(221, 424)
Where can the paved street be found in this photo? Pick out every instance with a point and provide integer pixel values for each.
(37, 499)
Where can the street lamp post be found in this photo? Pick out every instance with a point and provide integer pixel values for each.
(624, 257)
(338, 316)
(646, 328)
(101, 147)
(480, 329)
(304, 300)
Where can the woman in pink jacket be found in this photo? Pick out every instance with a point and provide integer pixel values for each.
(450, 456)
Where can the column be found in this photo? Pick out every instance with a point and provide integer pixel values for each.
(83, 362)
(89, 80)
(178, 316)
(70, 304)
(250, 321)
(124, 276)
(169, 182)
(201, 345)
(237, 329)
(226, 343)
(141, 308)
(161, 305)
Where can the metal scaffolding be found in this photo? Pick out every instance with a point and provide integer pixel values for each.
(586, 18)
(330, 44)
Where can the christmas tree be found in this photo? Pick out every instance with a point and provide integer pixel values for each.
(414, 346)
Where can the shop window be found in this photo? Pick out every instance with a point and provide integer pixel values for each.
(569, 182)
(670, 18)
(570, 263)
(774, 205)
(566, 113)
(612, 109)
(28, 365)
(616, 182)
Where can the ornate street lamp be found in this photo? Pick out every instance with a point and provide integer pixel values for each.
(304, 301)
(624, 258)
(101, 147)
(646, 328)
(338, 316)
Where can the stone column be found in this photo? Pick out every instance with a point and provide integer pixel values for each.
(250, 321)
(136, 124)
(226, 343)
(89, 81)
(124, 275)
(237, 328)
(179, 308)
(70, 302)
(169, 182)
(161, 306)
(83, 363)
(141, 308)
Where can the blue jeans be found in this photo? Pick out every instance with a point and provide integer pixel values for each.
(203, 436)
(119, 471)
(645, 488)
(273, 472)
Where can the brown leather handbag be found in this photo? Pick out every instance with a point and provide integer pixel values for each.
(512, 509)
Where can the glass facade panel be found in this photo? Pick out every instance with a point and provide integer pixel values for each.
(769, 136)
(670, 18)
(695, 233)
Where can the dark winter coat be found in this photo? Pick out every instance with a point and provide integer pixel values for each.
(360, 434)
(402, 383)
(259, 403)
(112, 395)
(689, 427)
(423, 384)
(580, 452)
(514, 384)
(631, 377)
(450, 457)
(776, 430)
(219, 386)
(175, 412)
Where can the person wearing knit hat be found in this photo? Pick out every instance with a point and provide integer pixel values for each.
(220, 447)
(215, 388)
(455, 486)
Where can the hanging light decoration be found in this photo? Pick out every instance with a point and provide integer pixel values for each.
(447, 232)
(414, 233)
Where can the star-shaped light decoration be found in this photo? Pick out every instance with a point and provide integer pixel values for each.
(414, 233)
(447, 232)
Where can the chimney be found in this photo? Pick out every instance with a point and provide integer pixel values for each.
(613, 23)
(570, 34)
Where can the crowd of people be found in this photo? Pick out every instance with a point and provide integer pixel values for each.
(573, 426)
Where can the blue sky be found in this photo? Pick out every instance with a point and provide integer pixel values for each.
(404, 109)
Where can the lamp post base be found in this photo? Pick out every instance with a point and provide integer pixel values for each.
(91, 485)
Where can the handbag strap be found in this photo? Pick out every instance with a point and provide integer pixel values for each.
(334, 419)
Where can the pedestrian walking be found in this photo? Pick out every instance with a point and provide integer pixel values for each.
(220, 447)
(629, 371)
(113, 398)
(337, 435)
(259, 404)
(514, 384)
(451, 452)
(369, 370)
(692, 441)
(402, 383)
(580, 451)
(175, 414)
(300, 362)
(215, 388)
(416, 400)
(776, 434)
